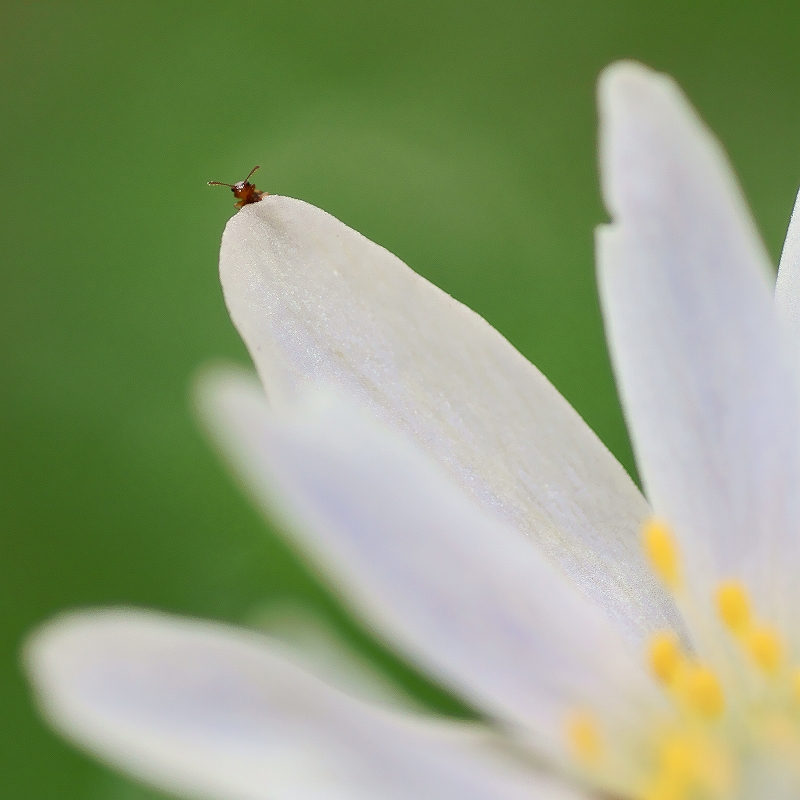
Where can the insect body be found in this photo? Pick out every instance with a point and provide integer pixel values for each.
(244, 191)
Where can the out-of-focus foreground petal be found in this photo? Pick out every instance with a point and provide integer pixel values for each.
(207, 711)
(322, 651)
(462, 593)
(701, 361)
(787, 287)
(318, 303)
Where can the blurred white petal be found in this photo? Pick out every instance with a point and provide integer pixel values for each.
(700, 359)
(461, 592)
(218, 713)
(322, 651)
(787, 287)
(318, 303)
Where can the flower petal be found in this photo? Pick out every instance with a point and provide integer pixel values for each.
(787, 287)
(458, 590)
(318, 303)
(208, 711)
(700, 358)
(322, 651)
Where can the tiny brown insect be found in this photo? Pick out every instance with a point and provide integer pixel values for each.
(244, 191)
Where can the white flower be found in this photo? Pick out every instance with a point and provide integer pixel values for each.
(468, 514)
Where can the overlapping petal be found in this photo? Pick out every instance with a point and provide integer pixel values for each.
(213, 712)
(460, 591)
(787, 287)
(467, 513)
(318, 303)
(700, 359)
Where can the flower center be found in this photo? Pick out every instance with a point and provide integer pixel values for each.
(734, 726)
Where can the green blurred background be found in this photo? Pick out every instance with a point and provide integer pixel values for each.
(460, 135)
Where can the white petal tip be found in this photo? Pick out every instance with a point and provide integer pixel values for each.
(220, 388)
(655, 152)
(56, 656)
(50, 645)
(636, 101)
(627, 81)
(217, 377)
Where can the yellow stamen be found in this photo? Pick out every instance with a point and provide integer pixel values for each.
(677, 761)
(676, 768)
(766, 649)
(733, 606)
(662, 552)
(703, 692)
(584, 737)
(665, 657)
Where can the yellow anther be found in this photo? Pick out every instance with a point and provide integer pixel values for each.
(665, 657)
(766, 649)
(703, 692)
(677, 761)
(675, 773)
(584, 737)
(733, 606)
(662, 552)
(690, 765)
